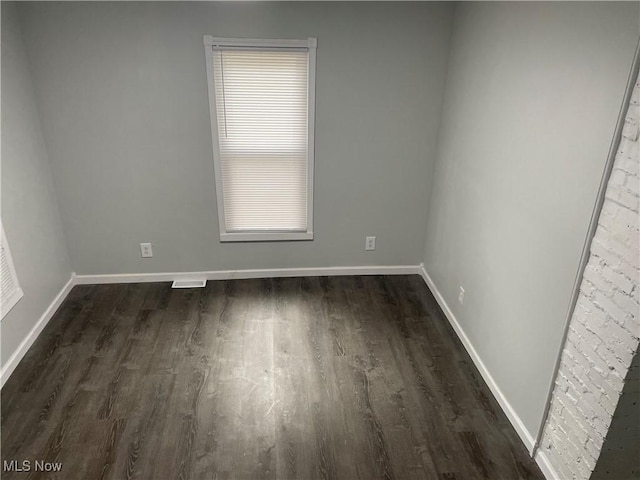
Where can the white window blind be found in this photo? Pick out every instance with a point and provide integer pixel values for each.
(10, 289)
(261, 123)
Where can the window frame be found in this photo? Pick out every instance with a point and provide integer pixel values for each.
(310, 45)
(17, 294)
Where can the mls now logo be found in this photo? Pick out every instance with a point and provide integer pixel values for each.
(27, 466)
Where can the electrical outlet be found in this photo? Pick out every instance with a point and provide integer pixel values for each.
(145, 250)
(461, 295)
(370, 243)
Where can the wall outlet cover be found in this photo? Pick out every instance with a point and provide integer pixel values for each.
(370, 243)
(461, 295)
(145, 250)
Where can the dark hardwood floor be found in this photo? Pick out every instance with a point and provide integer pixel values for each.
(302, 378)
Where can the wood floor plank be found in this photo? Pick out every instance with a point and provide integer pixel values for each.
(287, 378)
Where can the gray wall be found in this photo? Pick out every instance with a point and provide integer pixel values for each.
(123, 98)
(533, 93)
(29, 206)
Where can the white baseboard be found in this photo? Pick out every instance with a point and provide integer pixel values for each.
(545, 465)
(511, 414)
(243, 274)
(20, 352)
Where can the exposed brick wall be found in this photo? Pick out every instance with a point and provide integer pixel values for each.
(604, 328)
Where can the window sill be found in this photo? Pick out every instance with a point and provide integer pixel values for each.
(265, 236)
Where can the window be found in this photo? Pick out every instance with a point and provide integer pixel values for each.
(10, 291)
(262, 96)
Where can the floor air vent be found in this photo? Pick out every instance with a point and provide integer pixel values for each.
(188, 283)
